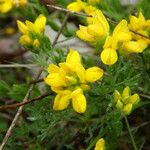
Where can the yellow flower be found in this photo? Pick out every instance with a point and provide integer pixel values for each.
(9, 31)
(126, 101)
(120, 35)
(27, 27)
(89, 9)
(76, 6)
(96, 30)
(20, 3)
(138, 43)
(7, 5)
(139, 24)
(79, 5)
(100, 145)
(135, 46)
(93, 2)
(109, 55)
(69, 80)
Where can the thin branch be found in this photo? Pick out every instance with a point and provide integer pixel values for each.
(29, 66)
(13, 106)
(36, 81)
(69, 11)
(144, 95)
(61, 29)
(140, 34)
(10, 129)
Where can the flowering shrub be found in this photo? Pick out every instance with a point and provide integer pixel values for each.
(77, 98)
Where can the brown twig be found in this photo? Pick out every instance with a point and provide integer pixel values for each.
(29, 66)
(61, 29)
(13, 106)
(10, 129)
(8, 57)
(69, 11)
(140, 34)
(144, 95)
(36, 81)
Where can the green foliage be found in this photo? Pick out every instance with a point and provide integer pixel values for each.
(18, 92)
(4, 88)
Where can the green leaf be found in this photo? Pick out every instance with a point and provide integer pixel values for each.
(4, 88)
(18, 92)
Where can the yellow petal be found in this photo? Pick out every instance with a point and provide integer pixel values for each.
(141, 19)
(75, 6)
(109, 56)
(66, 67)
(100, 19)
(53, 68)
(122, 26)
(40, 22)
(119, 104)
(25, 40)
(61, 102)
(125, 93)
(22, 3)
(22, 27)
(88, 9)
(117, 96)
(73, 57)
(30, 26)
(79, 103)
(93, 74)
(127, 109)
(36, 43)
(80, 71)
(111, 43)
(93, 2)
(61, 90)
(83, 34)
(100, 145)
(55, 80)
(124, 36)
(9, 31)
(96, 30)
(5, 7)
(134, 99)
(85, 86)
(133, 23)
(76, 92)
(121, 32)
(135, 46)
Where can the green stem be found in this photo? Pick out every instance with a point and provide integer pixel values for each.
(130, 133)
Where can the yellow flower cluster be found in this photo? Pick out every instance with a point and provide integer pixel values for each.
(126, 38)
(140, 26)
(69, 80)
(100, 144)
(7, 5)
(97, 27)
(126, 101)
(120, 34)
(27, 27)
